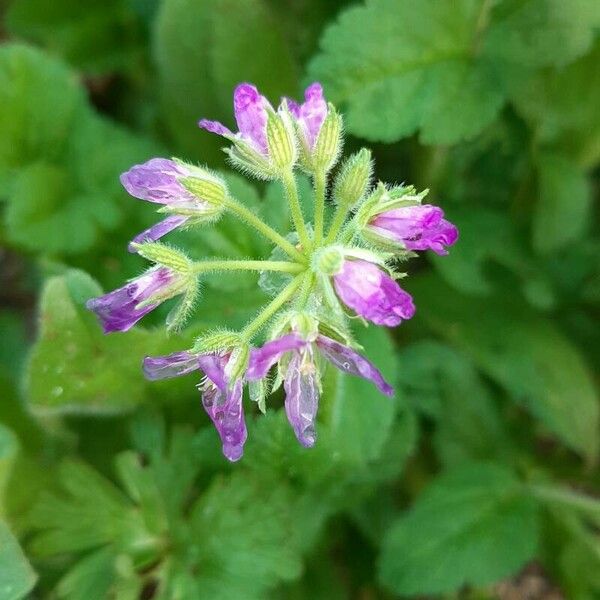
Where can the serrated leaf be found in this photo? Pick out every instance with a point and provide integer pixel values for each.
(244, 529)
(444, 68)
(73, 366)
(444, 385)
(241, 41)
(17, 577)
(531, 359)
(473, 525)
(564, 204)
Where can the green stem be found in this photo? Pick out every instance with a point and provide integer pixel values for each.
(248, 265)
(307, 285)
(268, 311)
(320, 181)
(268, 232)
(291, 191)
(566, 497)
(338, 220)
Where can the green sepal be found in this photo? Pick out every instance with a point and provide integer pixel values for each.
(354, 179)
(329, 142)
(281, 140)
(216, 341)
(161, 254)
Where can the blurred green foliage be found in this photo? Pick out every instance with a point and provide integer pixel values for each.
(483, 466)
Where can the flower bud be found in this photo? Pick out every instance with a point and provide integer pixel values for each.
(328, 261)
(281, 140)
(353, 179)
(164, 255)
(329, 142)
(205, 185)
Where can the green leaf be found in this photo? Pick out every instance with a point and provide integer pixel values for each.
(542, 32)
(53, 153)
(17, 577)
(243, 528)
(359, 418)
(73, 366)
(9, 446)
(444, 385)
(562, 212)
(562, 106)
(241, 41)
(473, 525)
(531, 358)
(96, 38)
(444, 68)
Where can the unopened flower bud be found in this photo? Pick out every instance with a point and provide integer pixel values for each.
(281, 141)
(329, 260)
(353, 179)
(329, 142)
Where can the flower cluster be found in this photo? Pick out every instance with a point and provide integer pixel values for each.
(336, 268)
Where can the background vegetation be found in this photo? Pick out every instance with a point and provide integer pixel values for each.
(479, 480)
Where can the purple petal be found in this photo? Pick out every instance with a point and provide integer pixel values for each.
(302, 399)
(172, 365)
(417, 227)
(364, 287)
(225, 409)
(251, 115)
(157, 181)
(215, 127)
(213, 366)
(262, 359)
(293, 107)
(157, 231)
(349, 361)
(313, 112)
(118, 310)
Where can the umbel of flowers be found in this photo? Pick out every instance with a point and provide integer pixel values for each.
(334, 269)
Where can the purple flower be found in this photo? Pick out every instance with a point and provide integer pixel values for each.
(364, 287)
(221, 399)
(302, 379)
(157, 181)
(251, 114)
(420, 227)
(120, 309)
(311, 114)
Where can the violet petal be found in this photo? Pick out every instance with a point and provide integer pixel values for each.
(157, 181)
(302, 399)
(225, 409)
(158, 230)
(263, 358)
(215, 127)
(251, 115)
(171, 365)
(374, 295)
(349, 361)
(117, 310)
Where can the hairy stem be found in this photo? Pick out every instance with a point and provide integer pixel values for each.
(291, 191)
(320, 183)
(249, 217)
(248, 265)
(286, 294)
(338, 220)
